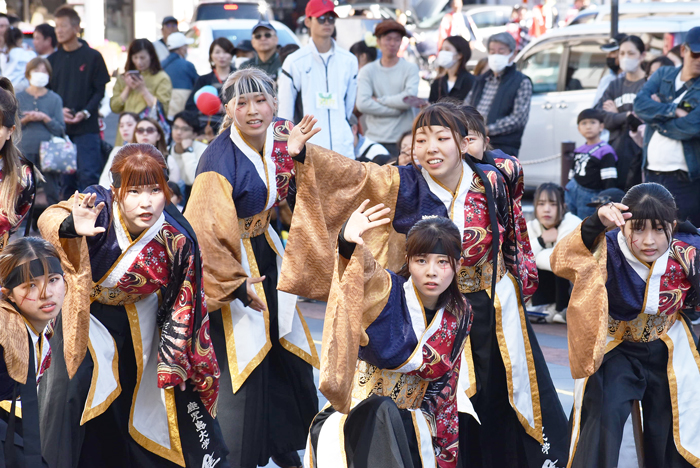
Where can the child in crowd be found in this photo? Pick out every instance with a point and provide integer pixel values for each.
(594, 165)
(551, 224)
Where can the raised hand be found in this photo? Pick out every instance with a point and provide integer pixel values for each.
(612, 214)
(255, 302)
(300, 134)
(364, 219)
(85, 214)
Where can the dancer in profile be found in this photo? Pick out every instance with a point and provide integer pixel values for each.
(146, 393)
(265, 350)
(32, 296)
(629, 340)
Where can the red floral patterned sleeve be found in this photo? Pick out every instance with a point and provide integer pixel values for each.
(26, 189)
(516, 246)
(183, 354)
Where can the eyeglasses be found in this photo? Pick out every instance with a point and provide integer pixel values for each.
(330, 19)
(143, 130)
(266, 35)
(184, 128)
(695, 55)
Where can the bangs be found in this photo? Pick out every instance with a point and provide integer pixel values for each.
(139, 165)
(433, 116)
(648, 209)
(427, 241)
(247, 83)
(551, 193)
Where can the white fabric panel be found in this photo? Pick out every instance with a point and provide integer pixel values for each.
(427, 453)
(628, 448)
(330, 453)
(104, 350)
(464, 404)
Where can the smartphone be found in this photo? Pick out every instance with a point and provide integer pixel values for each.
(134, 73)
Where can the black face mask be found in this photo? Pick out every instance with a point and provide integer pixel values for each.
(610, 62)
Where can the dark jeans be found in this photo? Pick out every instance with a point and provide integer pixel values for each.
(552, 290)
(684, 190)
(90, 164)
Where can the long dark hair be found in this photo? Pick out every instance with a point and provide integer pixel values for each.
(651, 201)
(10, 154)
(463, 48)
(422, 239)
(555, 193)
(136, 46)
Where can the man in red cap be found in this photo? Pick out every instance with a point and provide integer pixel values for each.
(321, 79)
(382, 87)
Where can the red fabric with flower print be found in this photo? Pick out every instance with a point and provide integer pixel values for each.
(26, 190)
(284, 164)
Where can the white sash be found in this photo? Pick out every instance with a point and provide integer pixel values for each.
(454, 203)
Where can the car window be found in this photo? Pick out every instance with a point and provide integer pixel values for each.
(217, 11)
(542, 67)
(236, 35)
(586, 66)
(489, 19)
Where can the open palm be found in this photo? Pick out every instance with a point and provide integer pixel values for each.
(85, 214)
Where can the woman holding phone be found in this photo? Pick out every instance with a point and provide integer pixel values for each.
(144, 84)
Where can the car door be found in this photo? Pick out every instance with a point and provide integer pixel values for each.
(542, 64)
(585, 67)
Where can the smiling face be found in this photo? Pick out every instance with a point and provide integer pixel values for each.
(39, 300)
(146, 132)
(141, 207)
(647, 241)
(432, 275)
(437, 151)
(252, 113)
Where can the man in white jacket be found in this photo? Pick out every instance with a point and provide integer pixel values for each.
(321, 79)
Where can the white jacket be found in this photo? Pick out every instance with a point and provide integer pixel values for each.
(535, 229)
(305, 72)
(184, 166)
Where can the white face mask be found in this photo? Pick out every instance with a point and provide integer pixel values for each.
(38, 79)
(445, 59)
(238, 61)
(498, 62)
(629, 65)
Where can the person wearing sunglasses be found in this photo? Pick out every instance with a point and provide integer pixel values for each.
(321, 79)
(149, 131)
(668, 104)
(266, 58)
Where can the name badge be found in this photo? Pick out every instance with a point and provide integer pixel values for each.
(326, 101)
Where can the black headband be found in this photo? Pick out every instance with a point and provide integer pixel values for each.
(117, 177)
(36, 268)
(435, 119)
(440, 249)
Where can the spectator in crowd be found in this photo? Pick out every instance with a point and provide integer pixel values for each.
(382, 86)
(221, 52)
(286, 51)
(453, 24)
(551, 224)
(126, 126)
(17, 58)
(79, 76)
(594, 165)
(44, 40)
(177, 197)
(658, 62)
(366, 149)
(323, 77)
(4, 25)
(265, 44)
(406, 154)
(675, 55)
(144, 85)
(185, 151)
(149, 131)
(502, 95)
(617, 104)
(612, 62)
(364, 53)
(453, 79)
(244, 51)
(42, 119)
(168, 26)
(182, 73)
(668, 103)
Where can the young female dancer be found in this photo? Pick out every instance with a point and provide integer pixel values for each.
(410, 328)
(146, 393)
(503, 370)
(32, 295)
(629, 340)
(17, 179)
(265, 350)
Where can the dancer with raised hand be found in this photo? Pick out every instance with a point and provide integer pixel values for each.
(266, 353)
(33, 291)
(629, 340)
(146, 393)
(410, 328)
(503, 372)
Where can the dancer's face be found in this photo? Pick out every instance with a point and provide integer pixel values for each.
(431, 274)
(141, 207)
(438, 152)
(39, 300)
(649, 242)
(253, 114)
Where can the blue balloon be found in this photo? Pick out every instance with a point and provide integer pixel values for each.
(205, 89)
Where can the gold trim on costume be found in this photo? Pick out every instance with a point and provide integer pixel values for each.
(572, 450)
(89, 412)
(7, 406)
(255, 225)
(131, 244)
(534, 432)
(478, 277)
(471, 391)
(174, 454)
(406, 390)
(416, 429)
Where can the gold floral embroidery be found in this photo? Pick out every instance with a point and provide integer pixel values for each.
(478, 278)
(255, 225)
(407, 391)
(643, 329)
